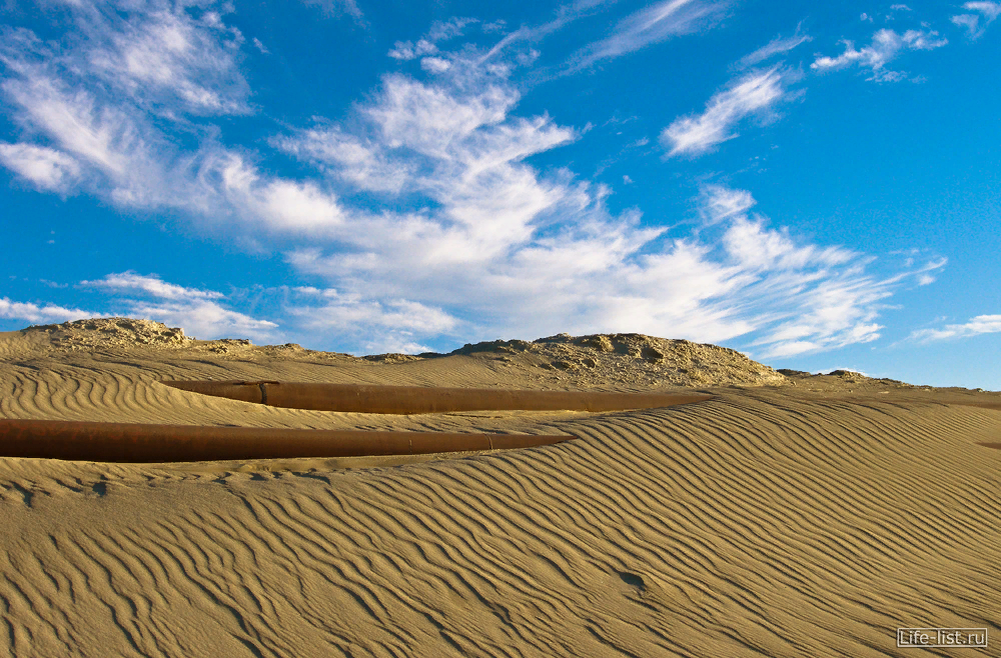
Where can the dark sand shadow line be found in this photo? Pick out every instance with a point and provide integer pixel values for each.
(407, 400)
(142, 443)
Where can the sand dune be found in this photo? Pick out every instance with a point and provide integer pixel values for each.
(809, 517)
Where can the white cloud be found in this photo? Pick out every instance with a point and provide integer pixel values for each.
(565, 14)
(494, 26)
(971, 22)
(589, 271)
(718, 203)
(805, 298)
(405, 50)
(34, 313)
(163, 56)
(776, 46)
(838, 311)
(108, 95)
(922, 40)
(298, 205)
(982, 324)
(460, 150)
(116, 145)
(989, 11)
(352, 321)
(755, 93)
(170, 59)
(756, 248)
(457, 232)
(337, 7)
(47, 168)
(885, 46)
(205, 320)
(435, 64)
(102, 137)
(930, 266)
(130, 281)
(275, 205)
(388, 326)
(199, 312)
(445, 30)
(658, 22)
(349, 158)
(427, 45)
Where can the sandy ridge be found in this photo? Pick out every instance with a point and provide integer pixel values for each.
(810, 517)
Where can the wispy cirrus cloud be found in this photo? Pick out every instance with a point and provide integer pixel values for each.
(522, 252)
(819, 298)
(565, 15)
(428, 44)
(459, 150)
(562, 262)
(46, 168)
(777, 46)
(92, 142)
(976, 23)
(718, 203)
(95, 97)
(336, 8)
(106, 109)
(837, 311)
(166, 56)
(753, 94)
(658, 22)
(885, 46)
(806, 298)
(169, 58)
(423, 213)
(981, 324)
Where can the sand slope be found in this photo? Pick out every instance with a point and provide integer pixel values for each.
(809, 519)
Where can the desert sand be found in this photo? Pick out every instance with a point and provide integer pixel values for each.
(790, 515)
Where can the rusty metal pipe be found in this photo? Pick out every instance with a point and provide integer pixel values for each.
(126, 442)
(423, 400)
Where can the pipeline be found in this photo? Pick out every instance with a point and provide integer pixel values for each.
(423, 400)
(136, 443)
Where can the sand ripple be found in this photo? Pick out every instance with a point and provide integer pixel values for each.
(809, 520)
(735, 527)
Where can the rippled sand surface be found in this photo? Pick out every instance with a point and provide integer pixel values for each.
(809, 519)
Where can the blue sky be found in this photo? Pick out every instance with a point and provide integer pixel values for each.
(816, 186)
